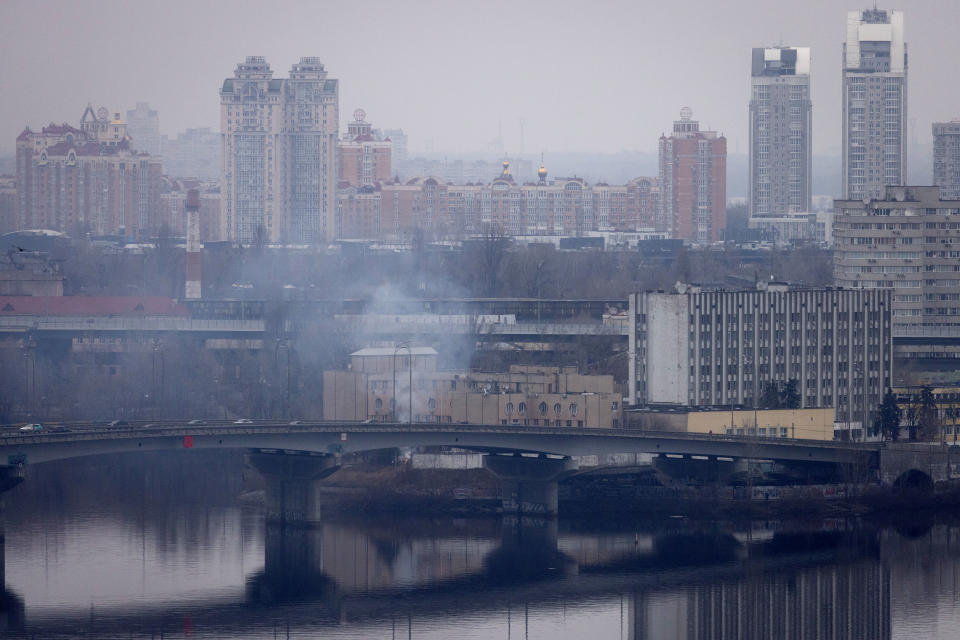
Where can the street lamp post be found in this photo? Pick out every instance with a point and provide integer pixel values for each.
(754, 372)
(851, 407)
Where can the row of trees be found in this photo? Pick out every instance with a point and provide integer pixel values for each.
(491, 265)
(921, 417)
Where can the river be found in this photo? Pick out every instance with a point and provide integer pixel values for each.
(157, 545)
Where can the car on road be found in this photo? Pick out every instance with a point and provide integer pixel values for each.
(33, 426)
(196, 422)
(294, 423)
(117, 424)
(243, 421)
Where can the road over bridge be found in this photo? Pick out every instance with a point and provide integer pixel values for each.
(348, 437)
(293, 457)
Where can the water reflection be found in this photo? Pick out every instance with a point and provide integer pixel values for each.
(119, 548)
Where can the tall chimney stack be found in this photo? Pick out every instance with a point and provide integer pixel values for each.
(192, 209)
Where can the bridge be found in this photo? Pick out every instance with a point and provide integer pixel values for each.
(529, 460)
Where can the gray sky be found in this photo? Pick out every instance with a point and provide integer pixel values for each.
(601, 76)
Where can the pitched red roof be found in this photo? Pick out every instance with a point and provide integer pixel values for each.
(59, 149)
(59, 129)
(90, 306)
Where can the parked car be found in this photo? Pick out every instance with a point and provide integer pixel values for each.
(243, 421)
(34, 426)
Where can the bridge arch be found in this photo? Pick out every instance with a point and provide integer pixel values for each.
(913, 480)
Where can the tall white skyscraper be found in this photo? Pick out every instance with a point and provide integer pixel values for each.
(874, 103)
(279, 153)
(780, 131)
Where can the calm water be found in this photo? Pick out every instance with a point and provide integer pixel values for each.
(157, 545)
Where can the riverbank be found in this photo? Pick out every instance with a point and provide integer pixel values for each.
(400, 488)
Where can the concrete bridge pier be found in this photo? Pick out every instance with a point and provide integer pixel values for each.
(529, 484)
(292, 494)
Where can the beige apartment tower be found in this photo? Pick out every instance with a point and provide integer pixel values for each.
(279, 153)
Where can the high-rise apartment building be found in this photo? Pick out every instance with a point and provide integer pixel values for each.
(780, 132)
(907, 241)
(364, 154)
(87, 180)
(194, 153)
(693, 182)
(143, 126)
(279, 152)
(946, 158)
(874, 103)
(9, 220)
(698, 347)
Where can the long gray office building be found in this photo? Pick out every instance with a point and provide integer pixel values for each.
(780, 132)
(695, 347)
(946, 158)
(909, 242)
(874, 103)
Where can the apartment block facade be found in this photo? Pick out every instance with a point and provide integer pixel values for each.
(384, 384)
(874, 103)
(694, 347)
(781, 160)
(565, 206)
(279, 153)
(946, 158)
(693, 182)
(365, 155)
(908, 242)
(87, 180)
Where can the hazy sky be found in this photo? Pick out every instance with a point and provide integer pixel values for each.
(585, 76)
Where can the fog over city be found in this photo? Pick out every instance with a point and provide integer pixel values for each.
(605, 76)
(444, 319)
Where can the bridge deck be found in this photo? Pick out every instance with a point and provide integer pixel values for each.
(339, 437)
